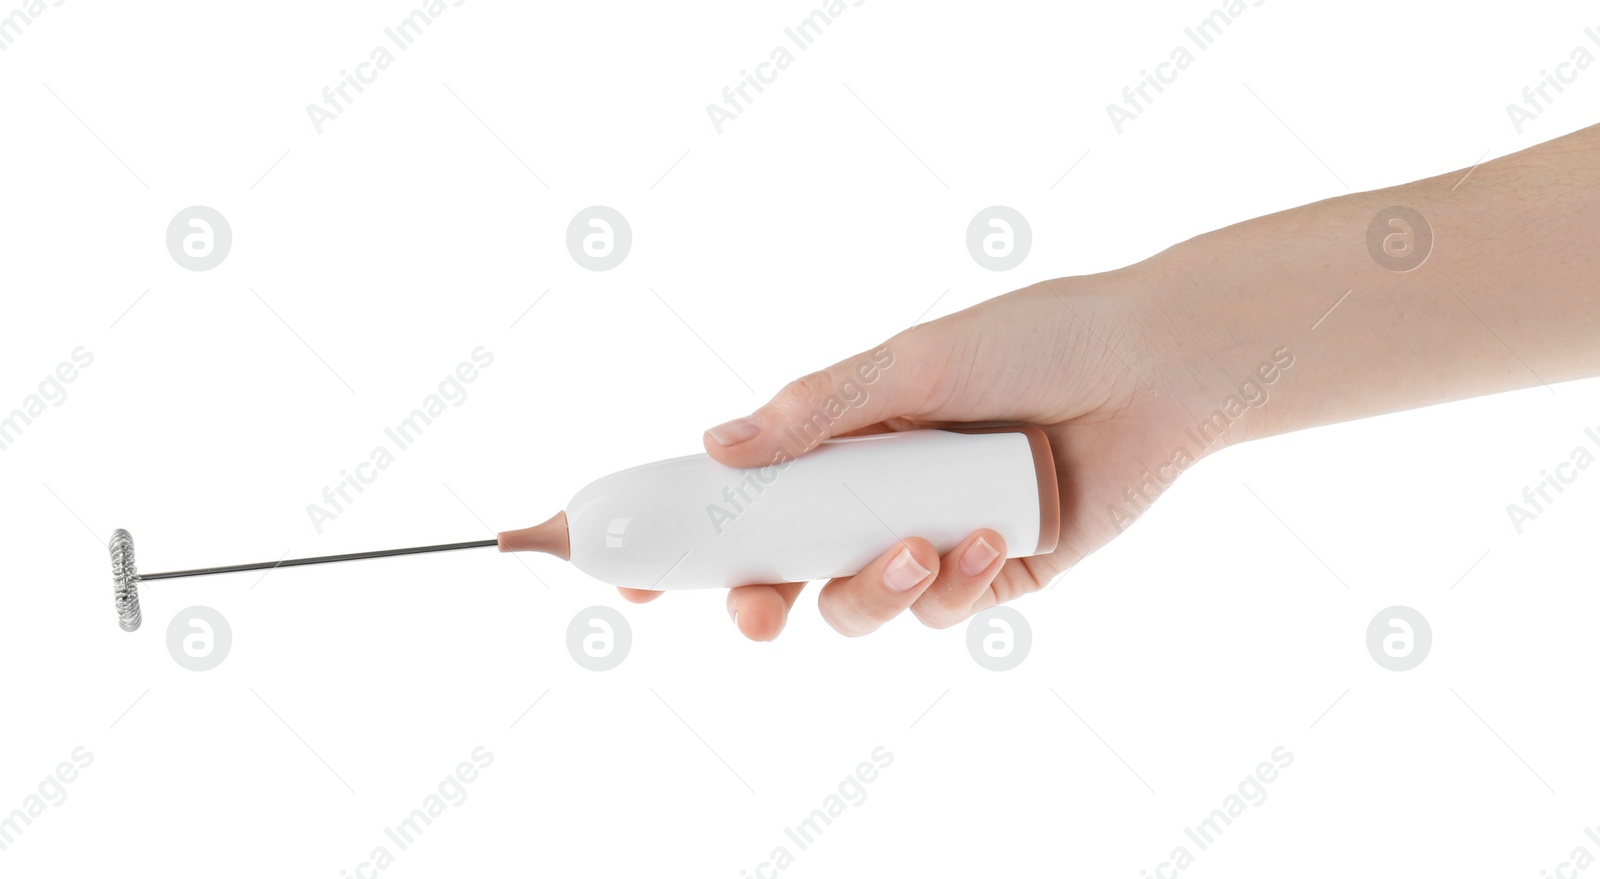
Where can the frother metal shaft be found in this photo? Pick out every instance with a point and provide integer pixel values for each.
(125, 576)
(317, 560)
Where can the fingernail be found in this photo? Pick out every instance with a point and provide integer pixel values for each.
(977, 557)
(904, 572)
(736, 431)
(733, 608)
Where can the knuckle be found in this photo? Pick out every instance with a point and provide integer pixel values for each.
(851, 611)
(841, 619)
(940, 609)
(936, 616)
(805, 392)
(800, 404)
(846, 625)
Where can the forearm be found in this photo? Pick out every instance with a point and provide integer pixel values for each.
(1508, 296)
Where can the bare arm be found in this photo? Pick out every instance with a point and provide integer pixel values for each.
(1507, 297)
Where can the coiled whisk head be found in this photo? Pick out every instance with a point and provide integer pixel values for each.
(124, 579)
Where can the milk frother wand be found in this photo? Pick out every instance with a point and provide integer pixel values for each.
(692, 523)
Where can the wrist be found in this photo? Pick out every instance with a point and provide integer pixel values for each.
(1225, 367)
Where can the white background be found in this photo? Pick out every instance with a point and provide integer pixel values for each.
(409, 232)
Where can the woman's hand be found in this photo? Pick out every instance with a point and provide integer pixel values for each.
(1091, 360)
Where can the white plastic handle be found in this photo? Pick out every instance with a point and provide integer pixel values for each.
(691, 522)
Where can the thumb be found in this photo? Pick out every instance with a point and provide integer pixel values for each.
(854, 393)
